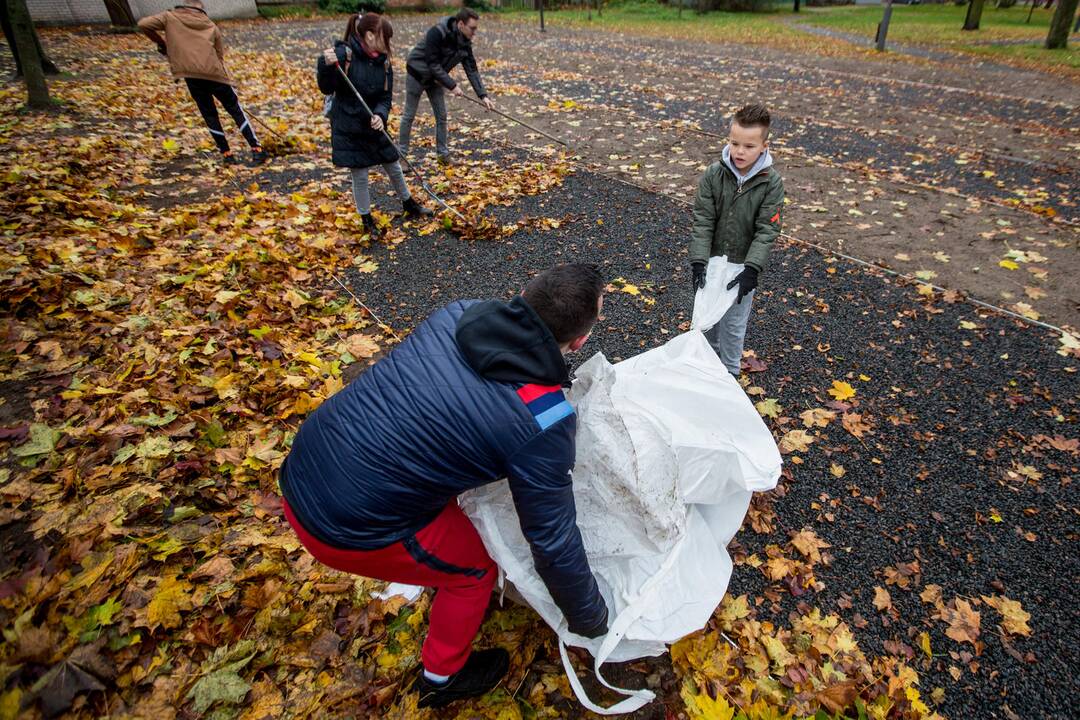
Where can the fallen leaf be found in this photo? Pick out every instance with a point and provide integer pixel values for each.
(1014, 619)
(841, 390)
(882, 599)
(795, 441)
(817, 417)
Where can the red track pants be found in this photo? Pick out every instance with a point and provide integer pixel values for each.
(447, 555)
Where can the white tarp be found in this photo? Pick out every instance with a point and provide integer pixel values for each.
(669, 450)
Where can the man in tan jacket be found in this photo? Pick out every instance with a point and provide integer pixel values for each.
(193, 44)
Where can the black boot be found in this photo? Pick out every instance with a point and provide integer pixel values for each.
(414, 209)
(369, 225)
(482, 672)
(258, 155)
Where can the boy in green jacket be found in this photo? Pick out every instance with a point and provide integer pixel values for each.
(737, 213)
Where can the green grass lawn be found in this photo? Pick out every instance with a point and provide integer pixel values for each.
(936, 25)
(652, 18)
(940, 25)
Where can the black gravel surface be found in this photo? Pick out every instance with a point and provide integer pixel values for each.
(955, 413)
(744, 67)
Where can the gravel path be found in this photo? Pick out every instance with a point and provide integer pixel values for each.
(955, 413)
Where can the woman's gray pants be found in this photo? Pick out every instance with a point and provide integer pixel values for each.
(361, 194)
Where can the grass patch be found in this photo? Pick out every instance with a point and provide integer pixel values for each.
(940, 25)
(936, 24)
(653, 19)
(298, 10)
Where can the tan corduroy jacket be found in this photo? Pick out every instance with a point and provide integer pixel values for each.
(193, 43)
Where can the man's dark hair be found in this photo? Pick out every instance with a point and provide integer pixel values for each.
(566, 298)
(465, 14)
(755, 115)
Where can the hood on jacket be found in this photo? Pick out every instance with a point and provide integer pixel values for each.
(450, 25)
(193, 18)
(764, 161)
(508, 342)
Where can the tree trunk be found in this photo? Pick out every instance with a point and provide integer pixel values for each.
(22, 29)
(1058, 37)
(796, 5)
(883, 28)
(120, 14)
(974, 15)
(48, 65)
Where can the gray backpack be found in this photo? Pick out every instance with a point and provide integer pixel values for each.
(328, 100)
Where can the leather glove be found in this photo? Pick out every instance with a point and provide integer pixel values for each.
(746, 280)
(699, 275)
(597, 630)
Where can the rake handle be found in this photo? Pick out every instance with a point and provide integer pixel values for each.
(393, 144)
(511, 118)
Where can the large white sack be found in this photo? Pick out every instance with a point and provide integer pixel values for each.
(669, 450)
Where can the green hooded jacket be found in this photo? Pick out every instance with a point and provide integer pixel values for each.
(742, 223)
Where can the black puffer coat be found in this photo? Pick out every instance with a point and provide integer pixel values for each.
(355, 144)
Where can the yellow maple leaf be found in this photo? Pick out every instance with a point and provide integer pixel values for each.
(796, 441)
(733, 609)
(817, 417)
(1014, 619)
(809, 544)
(699, 706)
(171, 599)
(1008, 264)
(777, 651)
(841, 640)
(841, 390)
(768, 408)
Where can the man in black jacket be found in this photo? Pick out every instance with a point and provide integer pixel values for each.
(473, 395)
(446, 44)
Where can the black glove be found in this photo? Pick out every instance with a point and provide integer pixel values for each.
(162, 49)
(746, 280)
(699, 275)
(595, 631)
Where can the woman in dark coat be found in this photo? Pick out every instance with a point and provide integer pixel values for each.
(358, 139)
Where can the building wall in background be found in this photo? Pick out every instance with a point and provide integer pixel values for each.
(77, 12)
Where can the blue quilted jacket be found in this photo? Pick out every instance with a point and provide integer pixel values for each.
(473, 395)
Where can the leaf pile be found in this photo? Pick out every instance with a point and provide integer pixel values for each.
(164, 330)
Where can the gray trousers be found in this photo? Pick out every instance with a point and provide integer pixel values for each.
(728, 335)
(437, 95)
(362, 195)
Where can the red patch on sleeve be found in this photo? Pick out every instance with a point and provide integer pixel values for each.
(775, 218)
(528, 393)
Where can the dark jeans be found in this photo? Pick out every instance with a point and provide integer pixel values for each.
(203, 93)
